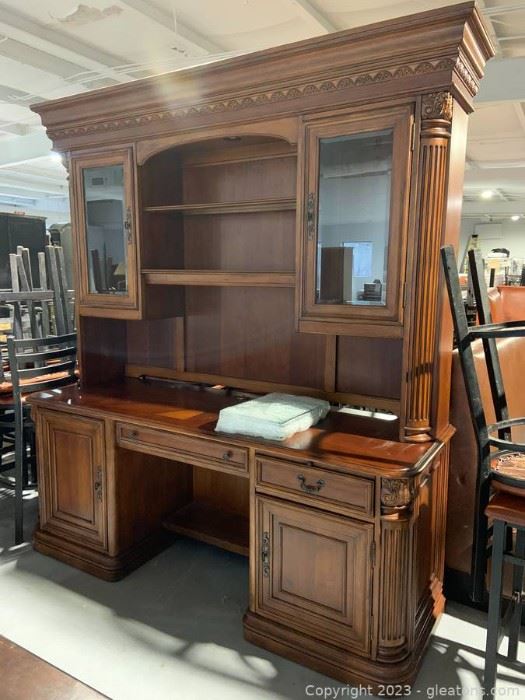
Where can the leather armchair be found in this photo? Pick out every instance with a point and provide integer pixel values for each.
(507, 303)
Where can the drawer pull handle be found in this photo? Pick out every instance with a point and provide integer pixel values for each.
(310, 488)
(227, 455)
(134, 433)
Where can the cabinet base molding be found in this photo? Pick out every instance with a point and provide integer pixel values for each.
(96, 563)
(337, 663)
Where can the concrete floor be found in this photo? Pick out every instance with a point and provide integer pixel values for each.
(172, 630)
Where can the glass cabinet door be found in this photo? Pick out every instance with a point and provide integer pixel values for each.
(107, 250)
(357, 180)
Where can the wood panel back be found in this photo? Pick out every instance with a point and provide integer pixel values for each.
(225, 491)
(153, 342)
(160, 179)
(369, 366)
(249, 333)
(256, 242)
(147, 489)
(240, 181)
(103, 351)
(162, 240)
(238, 148)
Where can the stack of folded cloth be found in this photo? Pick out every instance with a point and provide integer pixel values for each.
(274, 416)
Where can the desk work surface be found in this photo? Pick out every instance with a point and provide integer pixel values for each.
(341, 437)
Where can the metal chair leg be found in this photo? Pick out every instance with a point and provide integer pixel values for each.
(517, 588)
(493, 622)
(25, 461)
(480, 543)
(32, 461)
(28, 452)
(19, 477)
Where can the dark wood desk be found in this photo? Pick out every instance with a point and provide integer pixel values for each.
(231, 179)
(343, 525)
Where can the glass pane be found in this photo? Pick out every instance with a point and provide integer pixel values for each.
(106, 234)
(355, 174)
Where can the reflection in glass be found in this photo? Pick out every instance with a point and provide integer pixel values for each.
(106, 232)
(355, 175)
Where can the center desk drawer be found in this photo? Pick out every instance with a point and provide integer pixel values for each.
(320, 486)
(203, 452)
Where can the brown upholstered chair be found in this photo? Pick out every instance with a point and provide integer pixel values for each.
(507, 303)
(464, 458)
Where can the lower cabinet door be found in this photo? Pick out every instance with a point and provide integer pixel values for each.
(72, 477)
(315, 573)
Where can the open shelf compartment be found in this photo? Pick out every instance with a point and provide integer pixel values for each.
(208, 523)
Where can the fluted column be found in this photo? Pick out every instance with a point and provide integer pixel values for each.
(396, 539)
(436, 121)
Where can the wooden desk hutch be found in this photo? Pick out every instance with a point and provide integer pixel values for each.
(271, 222)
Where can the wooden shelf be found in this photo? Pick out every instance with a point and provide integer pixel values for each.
(280, 204)
(209, 524)
(219, 278)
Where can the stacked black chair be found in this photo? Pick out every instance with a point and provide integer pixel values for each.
(500, 484)
(39, 364)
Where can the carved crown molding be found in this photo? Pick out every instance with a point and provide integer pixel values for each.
(397, 493)
(467, 75)
(236, 104)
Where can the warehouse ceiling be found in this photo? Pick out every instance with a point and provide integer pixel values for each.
(55, 48)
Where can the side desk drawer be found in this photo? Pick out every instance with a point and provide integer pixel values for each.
(320, 486)
(192, 450)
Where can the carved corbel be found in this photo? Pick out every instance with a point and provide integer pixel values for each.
(437, 105)
(436, 114)
(396, 494)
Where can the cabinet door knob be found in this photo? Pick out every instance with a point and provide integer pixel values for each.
(310, 488)
(227, 455)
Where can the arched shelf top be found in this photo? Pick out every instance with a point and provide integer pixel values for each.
(286, 129)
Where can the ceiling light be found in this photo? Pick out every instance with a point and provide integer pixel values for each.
(487, 194)
(515, 217)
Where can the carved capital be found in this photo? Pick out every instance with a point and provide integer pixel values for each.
(397, 493)
(437, 105)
